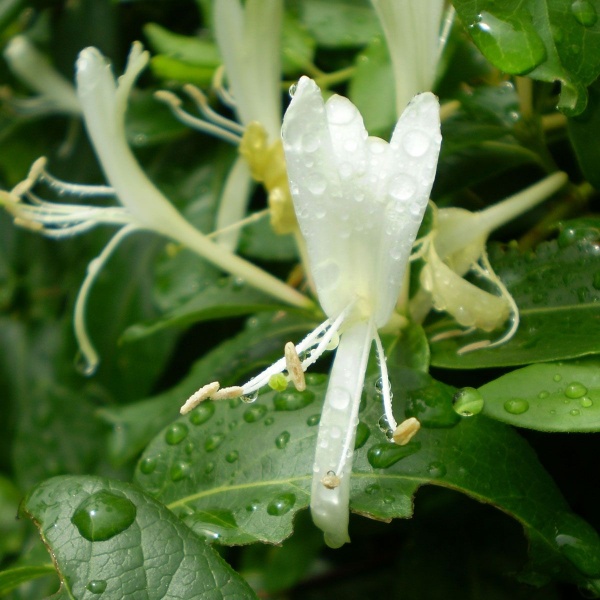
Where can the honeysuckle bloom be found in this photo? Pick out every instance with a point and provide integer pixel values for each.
(249, 37)
(359, 203)
(455, 247)
(143, 206)
(56, 94)
(412, 32)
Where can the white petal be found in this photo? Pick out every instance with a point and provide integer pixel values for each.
(337, 432)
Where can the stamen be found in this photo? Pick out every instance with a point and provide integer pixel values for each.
(294, 367)
(406, 431)
(86, 347)
(199, 396)
(219, 87)
(385, 384)
(174, 103)
(325, 340)
(331, 480)
(211, 115)
(451, 333)
(253, 218)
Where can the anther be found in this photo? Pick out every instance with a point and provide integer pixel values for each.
(294, 367)
(206, 391)
(331, 480)
(406, 431)
(228, 393)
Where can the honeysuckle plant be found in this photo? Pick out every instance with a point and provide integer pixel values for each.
(356, 370)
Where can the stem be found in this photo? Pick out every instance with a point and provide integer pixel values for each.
(328, 80)
(337, 432)
(525, 94)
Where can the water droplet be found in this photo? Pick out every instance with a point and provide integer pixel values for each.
(96, 586)
(234, 402)
(180, 470)
(339, 398)
(327, 273)
(209, 468)
(293, 89)
(388, 499)
(250, 398)
(416, 143)
(255, 413)
(313, 420)
(584, 13)
(189, 448)
(253, 506)
(340, 111)
(557, 378)
(269, 421)
(402, 187)
(103, 515)
(293, 400)
(432, 406)
(543, 395)
(516, 406)
(574, 413)
(315, 378)
(503, 42)
(148, 465)
(310, 143)
(281, 441)
(372, 489)
(176, 433)
(468, 402)
(281, 505)
(213, 442)
(232, 456)
(362, 435)
(436, 469)
(575, 390)
(202, 414)
(316, 183)
(382, 456)
(586, 402)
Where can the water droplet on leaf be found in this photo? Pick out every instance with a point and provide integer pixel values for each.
(313, 420)
(202, 414)
(586, 402)
(468, 402)
(232, 456)
(436, 469)
(281, 505)
(293, 400)
(516, 406)
(575, 390)
(180, 470)
(148, 465)
(584, 12)
(255, 413)
(362, 435)
(103, 515)
(382, 456)
(281, 441)
(96, 586)
(176, 433)
(213, 442)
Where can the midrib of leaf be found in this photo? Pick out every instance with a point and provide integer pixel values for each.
(547, 309)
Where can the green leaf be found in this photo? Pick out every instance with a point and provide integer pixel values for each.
(260, 242)
(13, 578)
(229, 297)
(172, 69)
(372, 88)
(297, 46)
(11, 531)
(546, 397)
(550, 40)
(238, 473)
(84, 520)
(188, 49)
(557, 291)
(258, 345)
(340, 23)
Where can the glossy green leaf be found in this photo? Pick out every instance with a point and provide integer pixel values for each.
(238, 473)
(229, 297)
(261, 343)
(297, 46)
(547, 397)
(188, 49)
(550, 40)
(173, 69)
(372, 88)
(84, 520)
(557, 289)
(12, 578)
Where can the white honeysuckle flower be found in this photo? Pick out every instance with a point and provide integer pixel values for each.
(56, 94)
(144, 207)
(249, 38)
(412, 32)
(456, 246)
(359, 203)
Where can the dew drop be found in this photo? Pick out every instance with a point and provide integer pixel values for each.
(416, 143)
(189, 448)
(586, 402)
(557, 378)
(232, 456)
(249, 398)
(316, 184)
(281, 441)
(281, 505)
(148, 465)
(388, 499)
(362, 435)
(382, 456)
(293, 400)
(315, 378)
(468, 402)
(269, 421)
(253, 506)
(436, 469)
(584, 13)
(575, 412)
(310, 143)
(516, 406)
(313, 420)
(255, 413)
(293, 89)
(96, 586)
(213, 442)
(340, 111)
(339, 398)
(372, 489)
(543, 395)
(202, 414)
(176, 433)
(180, 470)
(402, 187)
(234, 403)
(209, 468)
(103, 515)
(575, 390)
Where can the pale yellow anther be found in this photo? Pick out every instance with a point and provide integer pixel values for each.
(168, 98)
(331, 481)
(205, 392)
(294, 367)
(406, 431)
(228, 393)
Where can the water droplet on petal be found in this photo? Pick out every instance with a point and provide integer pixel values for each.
(402, 187)
(316, 183)
(416, 143)
(338, 398)
(103, 515)
(340, 111)
(250, 398)
(281, 505)
(310, 143)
